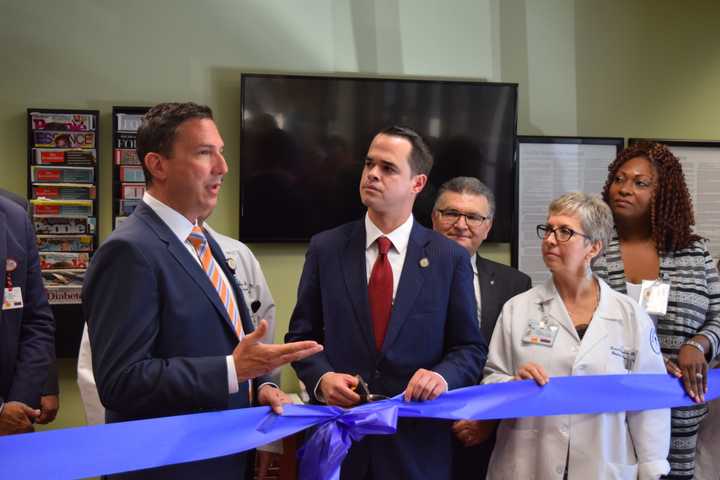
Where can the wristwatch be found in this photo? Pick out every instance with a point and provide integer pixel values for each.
(695, 344)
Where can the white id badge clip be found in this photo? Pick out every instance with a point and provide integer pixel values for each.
(12, 298)
(654, 296)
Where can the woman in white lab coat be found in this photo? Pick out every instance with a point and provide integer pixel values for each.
(574, 324)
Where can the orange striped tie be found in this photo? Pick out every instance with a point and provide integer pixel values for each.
(198, 240)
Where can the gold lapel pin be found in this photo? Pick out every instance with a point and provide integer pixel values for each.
(424, 262)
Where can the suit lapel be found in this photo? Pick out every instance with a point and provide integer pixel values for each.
(183, 257)
(3, 251)
(354, 273)
(411, 281)
(488, 297)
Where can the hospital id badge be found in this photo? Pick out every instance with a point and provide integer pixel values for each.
(539, 332)
(654, 296)
(12, 298)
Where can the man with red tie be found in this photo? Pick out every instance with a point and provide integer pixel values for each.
(169, 328)
(392, 301)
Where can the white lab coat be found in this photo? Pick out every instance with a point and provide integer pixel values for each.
(254, 287)
(625, 445)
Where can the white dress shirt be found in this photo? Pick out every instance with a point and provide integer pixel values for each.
(476, 286)
(396, 255)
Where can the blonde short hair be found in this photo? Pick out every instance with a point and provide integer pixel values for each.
(594, 214)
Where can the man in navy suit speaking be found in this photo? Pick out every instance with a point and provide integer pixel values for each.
(169, 328)
(393, 302)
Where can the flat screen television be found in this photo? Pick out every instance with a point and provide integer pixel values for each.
(304, 139)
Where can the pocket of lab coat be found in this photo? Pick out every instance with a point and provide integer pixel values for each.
(515, 455)
(616, 364)
(619, 471)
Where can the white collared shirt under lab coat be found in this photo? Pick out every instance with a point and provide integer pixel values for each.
(624, 445)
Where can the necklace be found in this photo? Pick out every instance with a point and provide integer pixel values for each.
(579, 315)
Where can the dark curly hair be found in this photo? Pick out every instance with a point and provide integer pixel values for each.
(671, 209)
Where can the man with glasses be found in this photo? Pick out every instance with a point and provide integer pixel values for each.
(464, 212)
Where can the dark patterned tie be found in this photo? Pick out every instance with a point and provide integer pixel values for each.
(380, 289)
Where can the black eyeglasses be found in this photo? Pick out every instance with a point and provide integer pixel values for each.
(453, 216)
(562, 234)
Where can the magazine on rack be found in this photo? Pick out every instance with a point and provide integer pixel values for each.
(50, 225)
(64, 260)
(66, 122)
(65, 243)
(77, 157)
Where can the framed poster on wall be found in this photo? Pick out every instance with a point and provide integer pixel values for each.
(701, 165)
(546, 168)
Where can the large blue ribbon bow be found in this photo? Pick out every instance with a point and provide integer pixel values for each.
(119, 447)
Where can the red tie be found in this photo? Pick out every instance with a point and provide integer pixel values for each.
(380, 289)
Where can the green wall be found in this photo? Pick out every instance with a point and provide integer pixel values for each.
(585, 67)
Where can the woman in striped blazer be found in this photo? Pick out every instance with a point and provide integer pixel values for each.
(653, 214)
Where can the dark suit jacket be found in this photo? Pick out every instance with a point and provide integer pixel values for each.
(498, 284)
(15, 198)
(433, 325)
(160, 334)
(51, 385)
(27, 335)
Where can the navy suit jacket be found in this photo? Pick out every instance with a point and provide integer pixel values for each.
(27, 335)
(160, 334)
(52, 386)
(433, 325)
(498, 284)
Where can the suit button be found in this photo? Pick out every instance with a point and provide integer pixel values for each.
(564, 429)
(560, 470)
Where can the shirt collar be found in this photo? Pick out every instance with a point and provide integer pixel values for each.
(175, 221)
(606, 308)
(399, 237)
(473, 262)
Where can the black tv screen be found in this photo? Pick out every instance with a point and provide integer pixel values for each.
(304, 140)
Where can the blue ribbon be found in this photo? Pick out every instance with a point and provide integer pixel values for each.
(120, 447)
